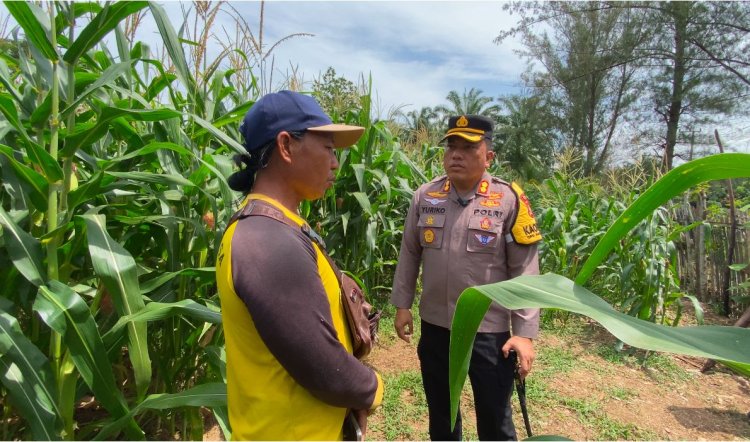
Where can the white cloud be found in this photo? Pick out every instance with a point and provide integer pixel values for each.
(416, 51)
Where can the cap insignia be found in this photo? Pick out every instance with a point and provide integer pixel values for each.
(462, 122)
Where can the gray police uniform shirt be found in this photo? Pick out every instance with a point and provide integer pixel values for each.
(491, 238)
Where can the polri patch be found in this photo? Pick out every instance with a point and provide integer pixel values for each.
(429, 236)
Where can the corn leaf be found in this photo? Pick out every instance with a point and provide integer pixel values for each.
(34, 183)
(66, 313)
(714, 167)
(205, 395)
(172, 45)
(555, 291)
(24, 250)
(117, 270)
(34, 27)
(162, 310)
(109, 75)
(102, 24)
(25, 372)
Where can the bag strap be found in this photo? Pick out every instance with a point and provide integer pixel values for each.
(262, 208)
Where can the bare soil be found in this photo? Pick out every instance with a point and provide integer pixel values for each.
(641, 403)
(711, 406)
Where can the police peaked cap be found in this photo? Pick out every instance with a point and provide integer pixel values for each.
(472, 128)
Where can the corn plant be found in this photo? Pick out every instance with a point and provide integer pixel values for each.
(113, 200)
(726, 344)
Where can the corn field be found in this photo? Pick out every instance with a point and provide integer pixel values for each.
(114, 197)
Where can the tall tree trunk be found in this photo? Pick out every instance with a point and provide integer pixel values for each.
(679, 11)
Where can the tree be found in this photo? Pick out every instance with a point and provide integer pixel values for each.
(422, 126)
(471, 102)
(587, 76)
(336, 94)
(524, 139)
(696, 68)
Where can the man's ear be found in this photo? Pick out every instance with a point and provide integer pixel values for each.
(283, 144)
(490, 156)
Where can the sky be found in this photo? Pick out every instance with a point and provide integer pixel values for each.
(415, 51)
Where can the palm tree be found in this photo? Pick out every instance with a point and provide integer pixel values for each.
(471, 102)
(524, 141)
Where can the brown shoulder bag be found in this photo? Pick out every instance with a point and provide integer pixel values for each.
(363, 321)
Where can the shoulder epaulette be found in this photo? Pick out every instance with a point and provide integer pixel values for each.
(524, 230)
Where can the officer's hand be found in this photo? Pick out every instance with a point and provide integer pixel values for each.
(404, 324)
(524, 348)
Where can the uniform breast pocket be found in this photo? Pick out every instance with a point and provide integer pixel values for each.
(431, 230)
(485, 234)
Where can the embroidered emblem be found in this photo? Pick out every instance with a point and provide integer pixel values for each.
(437, 194)
(447, 186)
(495, 195)
(526, 201)
(434, 201)
(489, 203)
(485, 224)
(430, 220)
(484, 186)
(429, 236)
(462, 122)
(484, 239)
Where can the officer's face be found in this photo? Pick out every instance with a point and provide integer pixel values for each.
(314, 165)
(465, 162)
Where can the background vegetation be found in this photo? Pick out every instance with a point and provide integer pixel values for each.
(114, 196)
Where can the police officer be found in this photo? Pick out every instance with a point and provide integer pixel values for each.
(290, 370)
(468, 228)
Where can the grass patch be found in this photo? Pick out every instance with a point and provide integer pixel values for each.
(660, 366)
(404, 405)
(591, 415)
(552, 361)
(621, 393)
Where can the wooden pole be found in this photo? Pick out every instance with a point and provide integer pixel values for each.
(732, 237)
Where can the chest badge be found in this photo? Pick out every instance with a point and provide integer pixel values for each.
(485, 224)
(429, 236)
(484, 239)
(447, 186)
(437, 194)
(495, 195)
(489, 203)
(430, 220)
(434, 201)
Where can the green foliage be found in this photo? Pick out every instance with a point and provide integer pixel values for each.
(555, 291)
(111, 206)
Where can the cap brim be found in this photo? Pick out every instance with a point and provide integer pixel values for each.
(471, 137)
(343, 134)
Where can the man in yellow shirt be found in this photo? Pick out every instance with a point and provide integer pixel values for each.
(290, 369)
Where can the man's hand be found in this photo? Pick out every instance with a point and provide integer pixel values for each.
(404, 324)
(524, 348)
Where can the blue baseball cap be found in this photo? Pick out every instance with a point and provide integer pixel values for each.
(291, 111)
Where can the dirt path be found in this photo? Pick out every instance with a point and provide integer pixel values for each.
(583, 392)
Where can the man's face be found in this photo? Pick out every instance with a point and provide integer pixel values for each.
(465, 162)
(314, 164)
